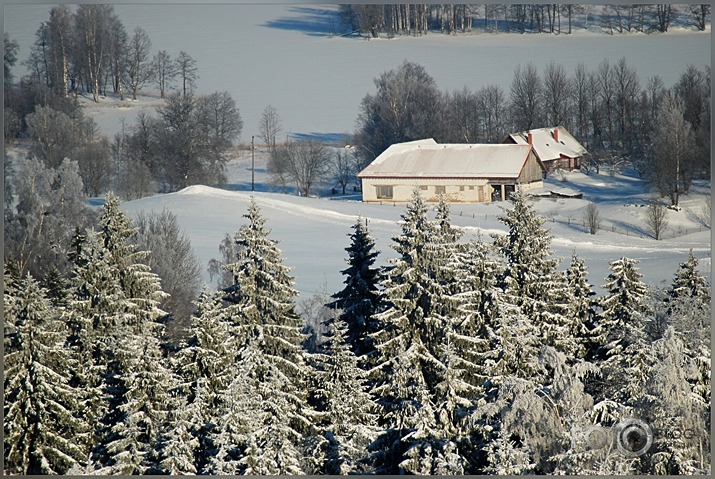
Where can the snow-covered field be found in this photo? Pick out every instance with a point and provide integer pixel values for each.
(289, 57)
(313, 232)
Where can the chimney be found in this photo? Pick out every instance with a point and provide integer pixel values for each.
(556, 134)
(530, 138)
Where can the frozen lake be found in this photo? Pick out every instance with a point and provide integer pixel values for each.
(289, 57)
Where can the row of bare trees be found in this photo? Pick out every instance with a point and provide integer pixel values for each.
(419, 19)
(90, 51)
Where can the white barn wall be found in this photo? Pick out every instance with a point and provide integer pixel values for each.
(456, 190)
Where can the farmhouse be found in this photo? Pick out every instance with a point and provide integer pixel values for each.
(555, 147)
(462, 172)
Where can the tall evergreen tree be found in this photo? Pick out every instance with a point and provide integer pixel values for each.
(620, 334)
(206, 366)
(348, 412)
(262, 292)
(690, 285)
(263, 320)
(44, 430)
(359, 299)
(681, 434)
(415, 325)
(581, 306)
(530, 279)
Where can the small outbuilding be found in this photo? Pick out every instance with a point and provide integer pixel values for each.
(555, 147)
(460, 172)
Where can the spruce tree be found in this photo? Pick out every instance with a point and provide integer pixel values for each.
(359, 299)
(114, 315)
(689, 285)
(144, 394)
(44, 429)
(622, 350)
(418, 310)
(205, 365)
(266, 416)
(262, 294)
(348, 412)
(681, 435)
(530, 279)
(581, 306)
(273, 362)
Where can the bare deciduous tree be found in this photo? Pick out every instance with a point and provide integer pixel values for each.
(187, 71)
(345, 168)
(307, 162)
(173, 259)
(656, 219)
(525, 97)
(673, 169)
(592, 218)
(139, 68)
(164, 71)
(556, 94)
(270, 126)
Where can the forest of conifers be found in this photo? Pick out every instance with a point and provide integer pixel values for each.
(459, 357)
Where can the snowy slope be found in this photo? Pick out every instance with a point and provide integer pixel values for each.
(313, 232)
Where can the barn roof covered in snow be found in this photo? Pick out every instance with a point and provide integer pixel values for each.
(549, 143)
(429, 159)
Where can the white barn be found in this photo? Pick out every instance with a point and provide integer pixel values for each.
(462, 172)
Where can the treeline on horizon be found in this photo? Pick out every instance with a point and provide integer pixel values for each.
(457, 357)
(420, 19)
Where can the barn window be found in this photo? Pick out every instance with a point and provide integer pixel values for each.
(384, 192)
(440, 190)
(423, 187)
(461, 188)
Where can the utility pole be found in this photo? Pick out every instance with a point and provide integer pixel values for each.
(253, 167)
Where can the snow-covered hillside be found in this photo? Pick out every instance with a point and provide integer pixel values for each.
(313, 232)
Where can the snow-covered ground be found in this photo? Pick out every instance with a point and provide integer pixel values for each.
(313, 232)
(288, 56)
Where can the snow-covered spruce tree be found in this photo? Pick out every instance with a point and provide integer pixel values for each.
(43, 428)
(348, 416)
(114, 317)
(689, 311)
(622, 350)
(262, 294)
(681, 435)
(410, 342)
(265, 418)
(530, 279)
(205, 365)
(177, 446)
(359, 299)
(581, 306)
(139, 284)
(689, 285)
(262, 306)
(145, 394)
(95, 315)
